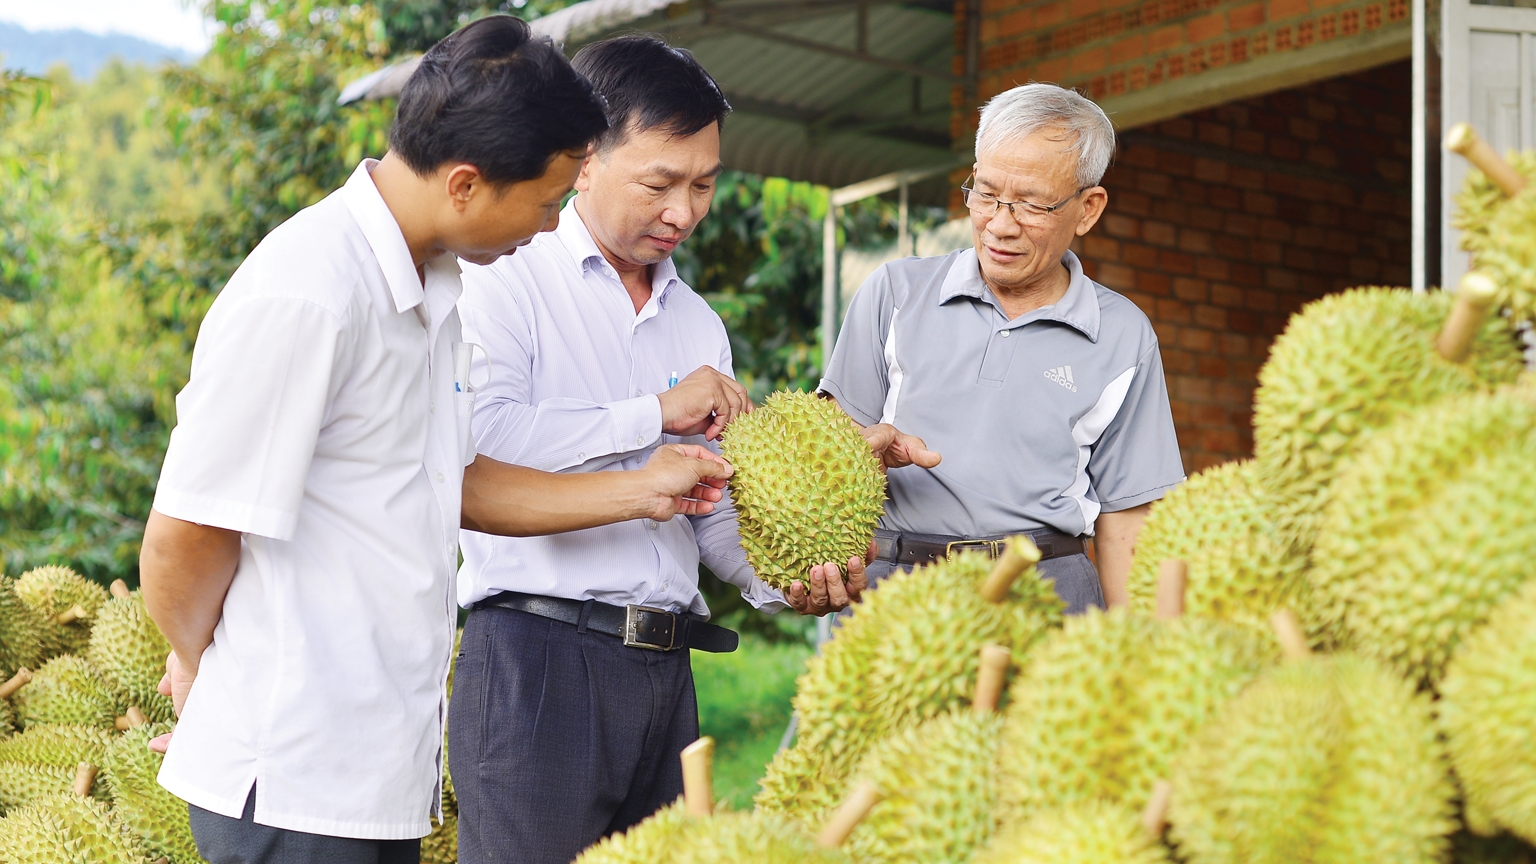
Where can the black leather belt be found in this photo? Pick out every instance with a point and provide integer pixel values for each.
(639, 626)
(906, 548)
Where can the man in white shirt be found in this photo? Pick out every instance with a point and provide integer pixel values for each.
(575, 727)
(301, 551)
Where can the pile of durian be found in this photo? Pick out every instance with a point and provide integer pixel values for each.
(1329, 654)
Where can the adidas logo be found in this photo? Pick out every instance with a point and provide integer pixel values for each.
(1062, 375)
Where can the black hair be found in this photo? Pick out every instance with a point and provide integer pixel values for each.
(648, 84)
(491, 95)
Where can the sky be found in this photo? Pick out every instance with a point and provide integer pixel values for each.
(169, 22)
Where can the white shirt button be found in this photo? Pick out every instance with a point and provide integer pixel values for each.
(431, 407)
(440, 477)
(651, 524)
(1005, 333)
(581, 457)
(639, 439)
(637, 391)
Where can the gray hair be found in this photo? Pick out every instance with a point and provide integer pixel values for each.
(1029, 108)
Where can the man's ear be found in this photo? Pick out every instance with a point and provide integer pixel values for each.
(1094, 202)
(584, 179)
(463, 183)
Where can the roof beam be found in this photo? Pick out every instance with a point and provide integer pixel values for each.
(894, 128)
(836, 51)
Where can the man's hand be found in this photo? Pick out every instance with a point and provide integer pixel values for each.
(682, 479)
(828, 592)
(897, 449)
(175, 684)
(704, 403)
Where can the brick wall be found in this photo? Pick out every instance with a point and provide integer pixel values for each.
(1223, 222)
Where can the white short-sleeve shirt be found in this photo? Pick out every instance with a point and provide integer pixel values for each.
(321, 422)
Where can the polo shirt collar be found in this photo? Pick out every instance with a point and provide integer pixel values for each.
(383, 235)
(574, 236)
(1078, 308)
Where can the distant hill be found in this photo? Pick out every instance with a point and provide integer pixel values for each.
(84, 53)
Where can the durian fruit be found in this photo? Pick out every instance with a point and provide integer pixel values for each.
(1327, 759)
(1497, 219)
(1103, 706)
(129, 650)
(1093, 831)
(67, 602)
(1487, 710)
(67, 829)
(21, 632)
(69, 690)
(938, 780)
(651, 842)
(1347, 366)
(909, 653)
(45, 759)
(154, 815)
(1221, 522)
(1432, 526)
(807, 487)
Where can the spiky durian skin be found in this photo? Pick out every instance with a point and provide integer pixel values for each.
(939, 782)
(1346, 366)
(1487, 710)
(653, 841)
(1088, 832)
(21, 631)
(1220, 522)
(750, 838)
(67, 829)
(130, 651)
(1103, 706)
(1331, 760)
(156, 816)
(51, 590)
(1500, 233)
(1431, 527)
(69, 690)
(42, 761)
(909, 653)
(807, 487)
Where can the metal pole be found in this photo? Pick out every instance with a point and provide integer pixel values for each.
(903, 233)
(1420, 160)
(829, 274)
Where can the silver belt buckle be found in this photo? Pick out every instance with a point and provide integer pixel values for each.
(632, 628)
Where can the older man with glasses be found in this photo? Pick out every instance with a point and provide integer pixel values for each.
(1043, 389)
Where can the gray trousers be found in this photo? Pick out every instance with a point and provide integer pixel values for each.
(222, 840)
(1074, 577)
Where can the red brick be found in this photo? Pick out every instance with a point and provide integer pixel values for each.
(1210, 414)
(1154, 283)
(1212, 268)
(1193, 290)
(1198, 242)
(1160, 233)
(1079, 9)
(1017, 22)
(1128, 49)
(1101, 248)
(1175, 311)
(1196, 339)
(1137, 255)
(1246, 17)
(1050, 14)
(1211, 316)
(1259, 204)
(1089, 61)
(1116, 225)
(1205, 27)
(1165, 39)
(1226, 295)
(1176, 361)
(1176, 262)
(1116, 276)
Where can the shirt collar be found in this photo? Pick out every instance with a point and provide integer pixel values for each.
(1078, 308)
(575, 237)
(383, 235)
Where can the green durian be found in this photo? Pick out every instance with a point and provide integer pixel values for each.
(157, 817)
(910, 652)
(1221, 523)
(69, 690)
(1103, 707)
(21, 632)
(1092, 831)
(750, 838)
(66, 602)
(1431, 527)
(1330, 760)
(653, 841)
(1347, 366)
(1500, 232)
(939, 785)
(1487, 710)
(129, 650)
(67, 829)
(807, 487)
(43, 760)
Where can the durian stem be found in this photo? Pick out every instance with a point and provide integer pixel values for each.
(848, 816)
(120, 590)
(1474, 299)
(162, 860)
(1464, 140)
(136, 717)
(1172, 577)
(1154, 817)
(1019, 554)
(698, 784)
(72, 614)
(1293, 642)
(122, 724)
(22, 678)
(85, 778)
(989, 678)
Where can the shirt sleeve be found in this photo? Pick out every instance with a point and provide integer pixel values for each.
(857, 376)
(551, 434)
(719, 540)
(1137, 459)
(251, 414)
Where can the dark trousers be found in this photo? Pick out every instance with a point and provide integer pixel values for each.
(222, 840)
(1074, 577)
(559, 736)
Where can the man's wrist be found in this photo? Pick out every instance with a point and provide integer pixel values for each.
(636, 498)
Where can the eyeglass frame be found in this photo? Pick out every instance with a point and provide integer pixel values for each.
(1030, 207)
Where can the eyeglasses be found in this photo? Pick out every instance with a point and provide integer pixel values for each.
(986, 206)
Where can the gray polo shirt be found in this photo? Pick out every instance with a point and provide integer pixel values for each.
(1044, 421)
